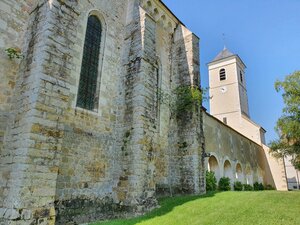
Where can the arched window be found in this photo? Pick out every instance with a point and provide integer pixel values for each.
(222, 74)
(86, 97)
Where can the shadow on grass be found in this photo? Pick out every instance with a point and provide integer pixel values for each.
(167, 204)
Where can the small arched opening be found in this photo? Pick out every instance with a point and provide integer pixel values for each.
(260, 175)
(228, 169)
(239, 172)
(213, 166)
(249, 176)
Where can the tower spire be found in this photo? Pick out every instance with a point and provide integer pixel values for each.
(224, 40)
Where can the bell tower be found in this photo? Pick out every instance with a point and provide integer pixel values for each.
(228, 95)
(227, 85)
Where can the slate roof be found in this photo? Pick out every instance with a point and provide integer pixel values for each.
(223, 54)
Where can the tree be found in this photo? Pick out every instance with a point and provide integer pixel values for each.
(288, 125)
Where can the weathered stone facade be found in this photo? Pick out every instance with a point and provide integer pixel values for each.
(62, 164)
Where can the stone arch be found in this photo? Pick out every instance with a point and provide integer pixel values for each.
(169, 27)
(228, 169)
(260, 175)
(249, 175)
(162, 21)
(239, 172)
(213, 165)
(99, 14)
(156, 14)
(149, 4)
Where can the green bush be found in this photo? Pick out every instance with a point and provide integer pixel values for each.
(224, 184)
(269, 187)
(255, 186)
(238, 186)
(211, 181)
(258, 186)
(248, 187)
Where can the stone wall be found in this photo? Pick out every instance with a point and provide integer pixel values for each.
(186, 156)
(91, 160)
(62, 164)
(239, 158)
(225, 144)
(13, 23)
(15, 104)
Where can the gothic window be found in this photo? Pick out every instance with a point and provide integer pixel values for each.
(87, 97)
(241, 76)
(222, 74)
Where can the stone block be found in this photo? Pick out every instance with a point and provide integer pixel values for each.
(26, 214)
(11, 214)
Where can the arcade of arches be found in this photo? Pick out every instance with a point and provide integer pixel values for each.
(235, 173)
(233, 155)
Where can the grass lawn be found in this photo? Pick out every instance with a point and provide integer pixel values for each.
(251, 208)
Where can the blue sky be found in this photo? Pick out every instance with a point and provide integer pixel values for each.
(264, 33)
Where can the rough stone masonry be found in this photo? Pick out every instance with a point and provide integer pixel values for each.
(61, 164)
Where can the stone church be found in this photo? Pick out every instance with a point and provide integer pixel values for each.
(83, 133)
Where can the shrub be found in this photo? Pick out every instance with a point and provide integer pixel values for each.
(269, 187)
(224, 184)
(238, 186)
(248, 187)
(14, 53)
(255, 186)
(258, 186)
(211, 181)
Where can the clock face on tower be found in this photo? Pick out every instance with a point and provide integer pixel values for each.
(223, 89)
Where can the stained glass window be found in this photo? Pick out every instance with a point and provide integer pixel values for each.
(86, 97)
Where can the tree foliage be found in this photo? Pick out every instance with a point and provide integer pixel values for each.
(288, 125)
